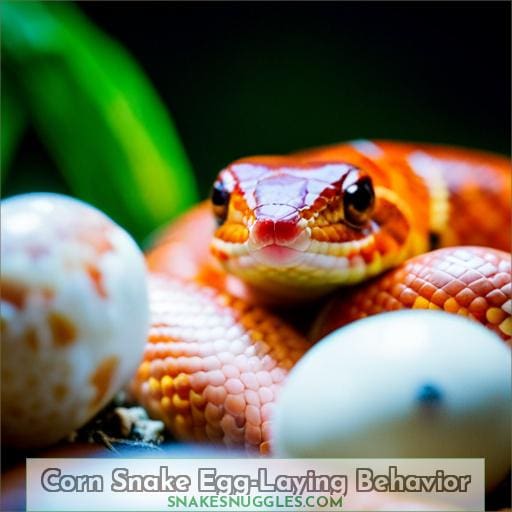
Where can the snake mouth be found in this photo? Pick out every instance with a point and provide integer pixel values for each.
(278, 256)
(279, 252)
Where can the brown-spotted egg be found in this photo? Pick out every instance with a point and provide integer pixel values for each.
(74, 315)
(403, 384)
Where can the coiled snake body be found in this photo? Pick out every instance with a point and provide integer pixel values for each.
(238, 284)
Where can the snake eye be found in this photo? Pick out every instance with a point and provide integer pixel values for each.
(220, 201)
(358, 202)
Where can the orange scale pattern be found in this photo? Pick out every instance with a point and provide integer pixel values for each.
(219, 382)
(470, 281)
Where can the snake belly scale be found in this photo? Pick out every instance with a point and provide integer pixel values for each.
(343, 229)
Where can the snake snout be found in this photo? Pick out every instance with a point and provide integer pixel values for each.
(276, 238)
(275, 224)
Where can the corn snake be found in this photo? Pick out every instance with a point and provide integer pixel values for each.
(236, 292)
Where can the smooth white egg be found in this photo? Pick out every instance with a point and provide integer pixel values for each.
(74, 315)
(403, 384)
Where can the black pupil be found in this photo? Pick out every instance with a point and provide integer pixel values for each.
(220, 195)
(360, 195)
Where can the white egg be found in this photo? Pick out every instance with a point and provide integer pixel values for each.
(74, 315)
(402, 384)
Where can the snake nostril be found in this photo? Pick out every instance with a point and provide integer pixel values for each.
(275, 223)
(263, 232)
(281, 232)
(286, 231)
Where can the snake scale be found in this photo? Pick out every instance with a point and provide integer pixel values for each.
(290, 248)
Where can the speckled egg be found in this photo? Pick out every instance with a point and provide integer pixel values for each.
(74, 315)
(402, 384)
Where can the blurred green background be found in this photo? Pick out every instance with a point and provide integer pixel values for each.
(89, 90)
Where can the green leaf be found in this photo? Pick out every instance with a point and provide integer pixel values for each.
(98, 114)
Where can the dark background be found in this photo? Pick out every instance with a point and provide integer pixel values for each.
(248, 78)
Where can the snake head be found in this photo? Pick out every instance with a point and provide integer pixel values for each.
(299, 229)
